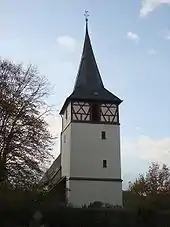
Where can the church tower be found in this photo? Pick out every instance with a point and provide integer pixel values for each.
(90, 137)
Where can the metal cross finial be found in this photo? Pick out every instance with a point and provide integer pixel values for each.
(86, 14)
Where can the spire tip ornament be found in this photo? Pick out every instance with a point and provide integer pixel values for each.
(86, 14)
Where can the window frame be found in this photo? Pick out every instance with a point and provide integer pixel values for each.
(103, 135)
(105, 163)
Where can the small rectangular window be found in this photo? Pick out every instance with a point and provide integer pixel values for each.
(64, 138)
(104, 163)
(103, 135)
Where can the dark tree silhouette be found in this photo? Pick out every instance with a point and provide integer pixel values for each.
(25, 141)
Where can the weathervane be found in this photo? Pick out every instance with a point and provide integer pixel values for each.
(86, 14)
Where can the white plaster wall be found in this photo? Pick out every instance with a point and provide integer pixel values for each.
(82, 155)
(67, 120)
(88, 151)
(65, 151)
(84, 192)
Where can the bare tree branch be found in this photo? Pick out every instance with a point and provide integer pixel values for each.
(25, 142)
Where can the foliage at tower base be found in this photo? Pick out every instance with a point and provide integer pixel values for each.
(150, 190)
(25, 141)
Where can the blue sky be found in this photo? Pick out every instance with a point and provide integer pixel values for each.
(131, 42)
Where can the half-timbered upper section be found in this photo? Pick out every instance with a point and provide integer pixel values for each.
(90, 101)
(94, 112)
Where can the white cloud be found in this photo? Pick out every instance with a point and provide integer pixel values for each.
(148, 6)
(164, 33)
(147, 149)
(151, 51)
(137, 154)
(168, 35)
(138, 128)
(67, 42)
(54, 122)
(133, 36)
(154, 150)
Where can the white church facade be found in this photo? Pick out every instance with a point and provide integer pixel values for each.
(90, 157)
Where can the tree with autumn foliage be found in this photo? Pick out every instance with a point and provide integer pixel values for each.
(155, 181)
(25, 140)
(151, 190)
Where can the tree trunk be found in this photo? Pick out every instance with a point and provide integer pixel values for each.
(3, 171)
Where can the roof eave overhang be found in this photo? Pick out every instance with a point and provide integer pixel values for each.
(69, 99)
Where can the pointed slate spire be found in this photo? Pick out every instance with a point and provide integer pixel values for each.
(88, 76)
(88, 85)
